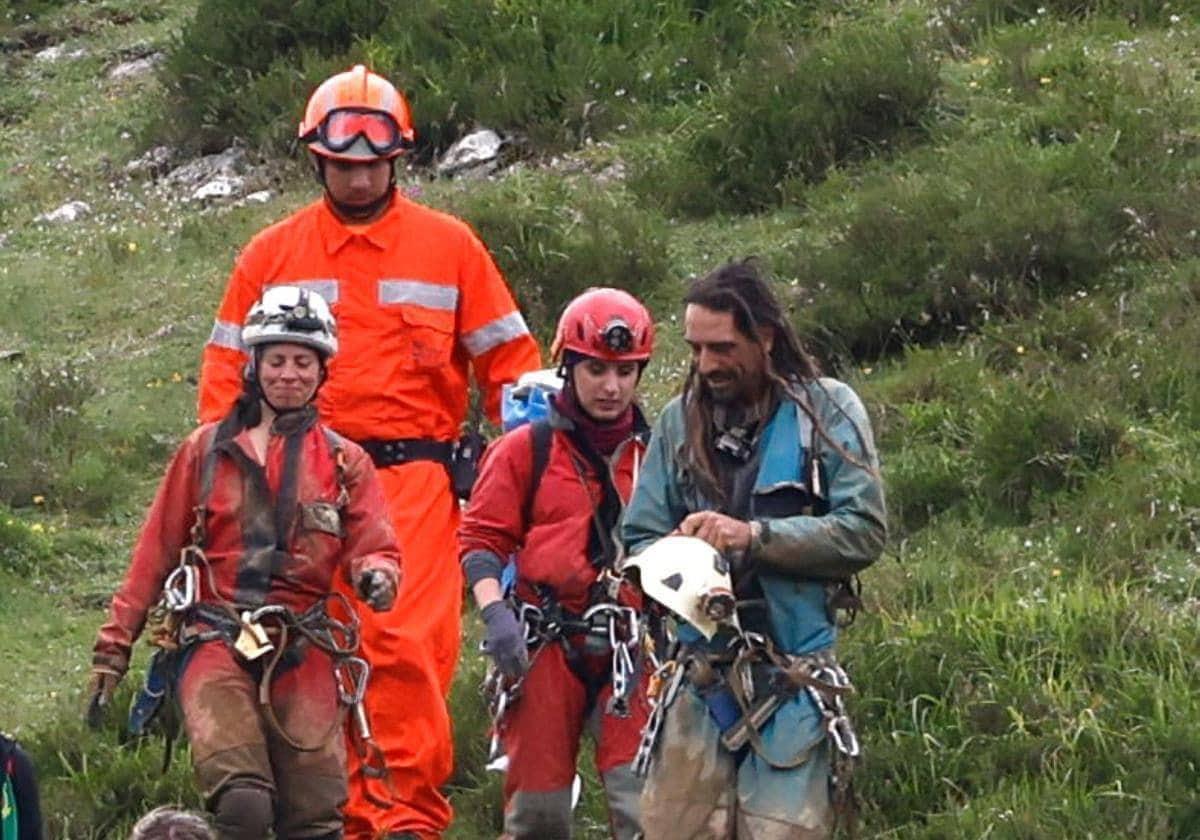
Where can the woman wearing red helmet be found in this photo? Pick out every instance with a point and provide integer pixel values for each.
(563, 638)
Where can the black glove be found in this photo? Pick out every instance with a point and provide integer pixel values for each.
(377, 588)
(100, 693)
(505, 641)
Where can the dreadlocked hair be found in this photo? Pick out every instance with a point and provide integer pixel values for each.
(742, 289)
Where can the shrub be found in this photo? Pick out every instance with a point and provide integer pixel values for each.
(22, 548)
(554, 237)
(794, 110)
(213, 70)
(553, 72)
(17, 11)
(1033, 441)
(1011, 11)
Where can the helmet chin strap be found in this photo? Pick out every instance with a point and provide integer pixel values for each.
(356, 212)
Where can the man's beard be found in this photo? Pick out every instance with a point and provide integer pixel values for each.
(727, 392)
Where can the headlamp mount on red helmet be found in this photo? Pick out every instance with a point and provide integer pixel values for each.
(617, 336)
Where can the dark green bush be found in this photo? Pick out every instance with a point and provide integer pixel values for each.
(997, 230)
(21, 548)
(553, 237)
(1036, 441)
(793, 110)
(213, 69)
(550, 72)
(18, 11)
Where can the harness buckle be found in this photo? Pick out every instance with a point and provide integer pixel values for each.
(252, 641)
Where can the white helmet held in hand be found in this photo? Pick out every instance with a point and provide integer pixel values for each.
(690, 578)
(292, 315)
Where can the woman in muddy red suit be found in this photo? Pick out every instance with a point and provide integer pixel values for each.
(564, 641)
(234, 569)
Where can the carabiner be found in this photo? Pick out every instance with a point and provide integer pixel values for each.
(179, 589)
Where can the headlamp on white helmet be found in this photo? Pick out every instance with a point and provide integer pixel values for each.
(291, 315)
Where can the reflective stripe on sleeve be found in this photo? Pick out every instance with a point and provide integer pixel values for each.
(494, 333)
(227, 334)
(325, 287)
(420, 293)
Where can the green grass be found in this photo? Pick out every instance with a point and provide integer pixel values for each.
(1001, 258)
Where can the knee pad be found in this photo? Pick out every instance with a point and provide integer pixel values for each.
(243, 812)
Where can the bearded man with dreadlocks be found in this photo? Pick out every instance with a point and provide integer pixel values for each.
(774, 466)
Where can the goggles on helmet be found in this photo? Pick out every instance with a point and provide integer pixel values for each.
(617, 336)
(338, 131)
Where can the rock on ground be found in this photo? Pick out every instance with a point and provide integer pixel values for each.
(476, 154)
(72, 211)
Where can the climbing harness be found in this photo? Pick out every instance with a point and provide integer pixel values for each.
(743, 686)
(266, 633)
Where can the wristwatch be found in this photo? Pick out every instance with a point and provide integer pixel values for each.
(760, 535)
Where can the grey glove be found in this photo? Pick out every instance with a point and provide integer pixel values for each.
(505, 641)
(377, 588)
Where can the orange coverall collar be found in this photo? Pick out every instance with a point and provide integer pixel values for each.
(381, 233)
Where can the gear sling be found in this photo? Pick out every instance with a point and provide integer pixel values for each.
(270, 637)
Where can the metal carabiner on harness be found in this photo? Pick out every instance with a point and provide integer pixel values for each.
(356, 671)
(661, 697)
(531, 617)
(837, 722)
(623, 631)
(180, 588)
(499, 692)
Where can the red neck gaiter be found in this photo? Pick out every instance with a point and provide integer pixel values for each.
(603, 437)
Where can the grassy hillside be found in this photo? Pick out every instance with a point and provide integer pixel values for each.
(982, 212)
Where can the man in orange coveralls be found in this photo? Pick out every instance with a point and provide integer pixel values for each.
(418, 299)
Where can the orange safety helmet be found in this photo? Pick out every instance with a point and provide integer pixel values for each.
(608, 324)
(357, 115)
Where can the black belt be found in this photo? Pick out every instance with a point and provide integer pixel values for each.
(388, 453)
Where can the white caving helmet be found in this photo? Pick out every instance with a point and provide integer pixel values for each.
(292, 315)
(690, 578)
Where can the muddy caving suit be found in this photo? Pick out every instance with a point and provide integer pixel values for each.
(273, 534)
(564, 544)
(823, 519)
(420, 308)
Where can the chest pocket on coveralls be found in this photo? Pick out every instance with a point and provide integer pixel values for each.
(320, 532)
(428, 336)
(321, 516)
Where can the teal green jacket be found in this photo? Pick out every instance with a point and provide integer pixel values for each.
(824, 517)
